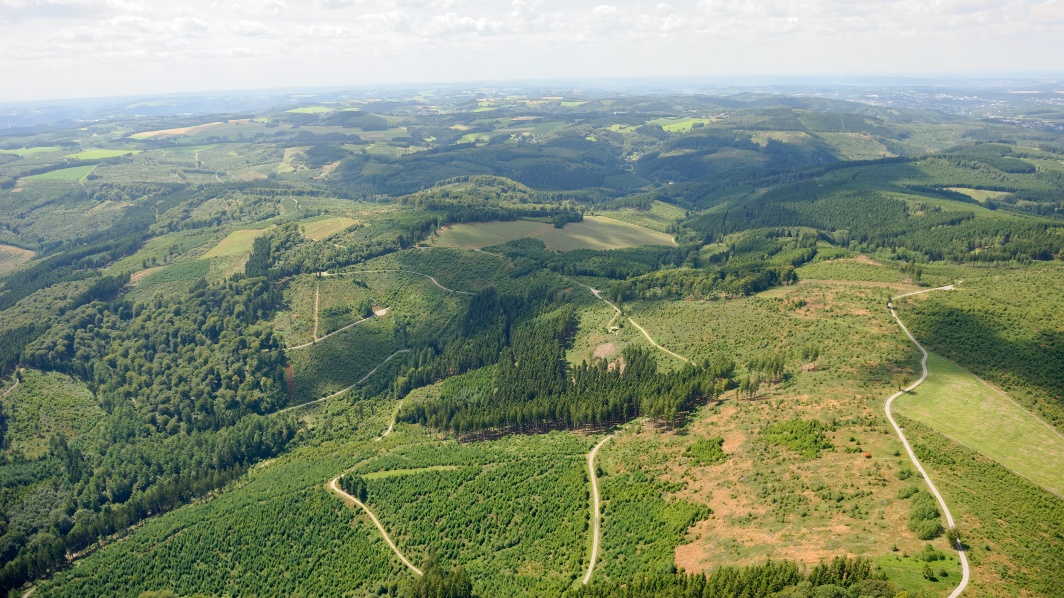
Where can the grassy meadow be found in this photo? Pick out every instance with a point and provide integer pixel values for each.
(955, 403)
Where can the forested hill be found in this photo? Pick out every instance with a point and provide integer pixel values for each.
(183, 299)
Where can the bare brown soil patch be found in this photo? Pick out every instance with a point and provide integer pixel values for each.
(605, 350)
(864, 259)
(136, 276)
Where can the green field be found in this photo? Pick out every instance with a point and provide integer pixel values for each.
(482, 234)
(967, 410)
(598, 232)
(326, 227)
(658, 217)
(98, 153)
(236, 243)
(676, 125)
(77, 173)
(980, 195)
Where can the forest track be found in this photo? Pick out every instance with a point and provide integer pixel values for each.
(595, 508)
(13, 387)
(317, 296)
(376, 314)
(334, 485)
(965, 569)
(391, 424)
(598, 295)
(342, 391)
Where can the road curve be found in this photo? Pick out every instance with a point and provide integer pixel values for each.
(594, 508)
(376, 314)
(335, 487)
(966, 570)
(391, 424)
(13, 387)
(598, 295)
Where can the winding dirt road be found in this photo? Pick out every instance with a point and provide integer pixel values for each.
(13, 387)
(966, 570)
(391, 424)
(434, 281)
(594, 508)
(334, 485)
(598, 295)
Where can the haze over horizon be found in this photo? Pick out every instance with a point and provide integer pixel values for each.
(53, 49)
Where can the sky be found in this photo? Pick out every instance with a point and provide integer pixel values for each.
(53, 49)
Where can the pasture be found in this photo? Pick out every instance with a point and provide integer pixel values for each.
(954, 402)
(236, 243)
(326, 227)
(77, 173)
(12, 257)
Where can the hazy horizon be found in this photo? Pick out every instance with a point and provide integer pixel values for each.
(64, 49)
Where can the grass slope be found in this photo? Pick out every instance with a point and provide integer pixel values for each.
(955, 403)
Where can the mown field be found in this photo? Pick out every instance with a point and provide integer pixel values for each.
(967, 410)
(12, 257)
(236, 243)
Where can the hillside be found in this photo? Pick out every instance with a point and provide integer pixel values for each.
(205, 323)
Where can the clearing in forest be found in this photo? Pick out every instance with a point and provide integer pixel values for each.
(966, 409)
(12, 257)
(327, 227)
(238, 241)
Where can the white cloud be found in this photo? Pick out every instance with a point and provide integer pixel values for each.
(121, 42)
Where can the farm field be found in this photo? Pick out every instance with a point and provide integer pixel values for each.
(237, 242)
(964, 408)
(594, 232)
(482, 234)
(12, 257)
(326, 227)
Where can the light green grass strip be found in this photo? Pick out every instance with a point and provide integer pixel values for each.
(964, 408)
